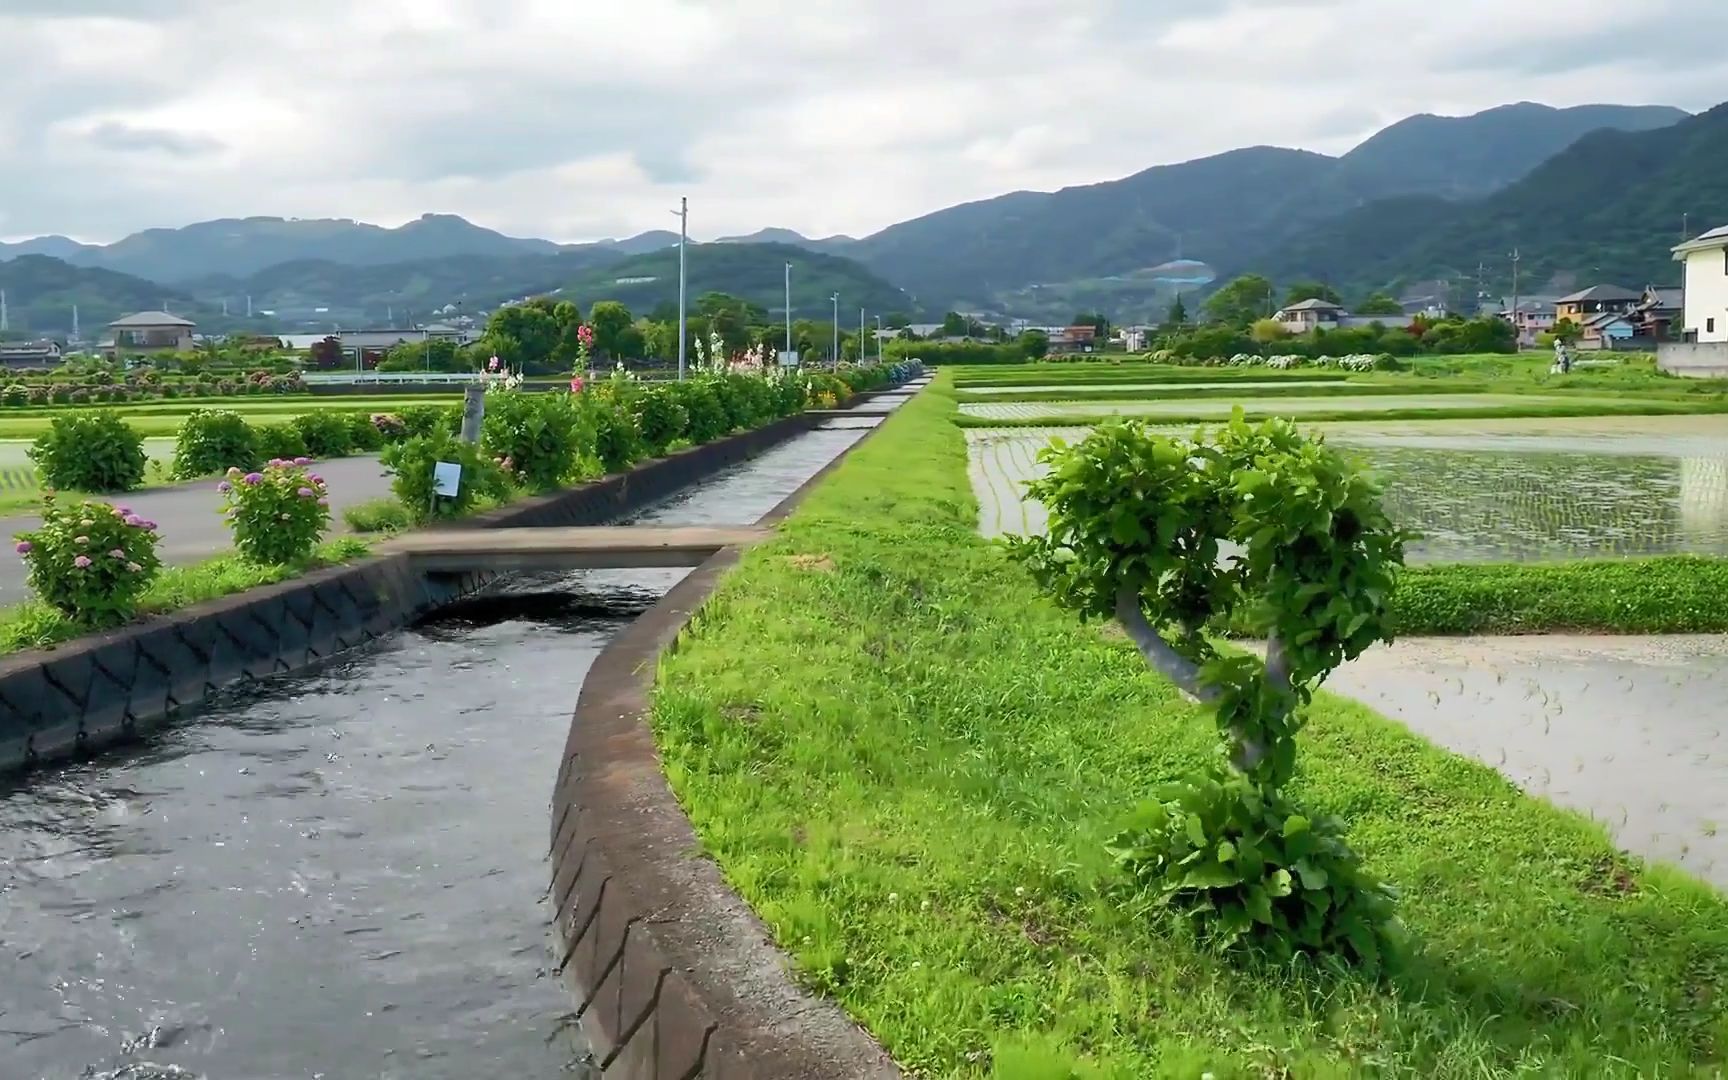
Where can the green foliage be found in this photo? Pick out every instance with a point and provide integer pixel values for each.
(540, 436)
(1670, 594)
(946, 353)
(1312, 290)
(1248, 864)
(707, 416)
(279, 441)
(612, 323)
(1033, 344)
(1268, 331)
(325, 434)
(277, 513)
(364, 436)
(91, 562)
(411, 464)
(661, 417)
(610, 416)
(211, 441)
(427, 419)
(1240, 302)
(89, 451)
(378, 515)
(1379, 304)
(1136, 524)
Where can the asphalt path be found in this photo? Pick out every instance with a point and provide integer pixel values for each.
(189, 517)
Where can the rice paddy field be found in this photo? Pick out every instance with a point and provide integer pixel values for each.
(1476, 489)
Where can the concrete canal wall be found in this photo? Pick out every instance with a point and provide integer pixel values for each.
(675, 975)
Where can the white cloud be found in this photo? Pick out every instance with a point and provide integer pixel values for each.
(577, 118)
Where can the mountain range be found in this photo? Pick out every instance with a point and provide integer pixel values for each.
(1584, 190)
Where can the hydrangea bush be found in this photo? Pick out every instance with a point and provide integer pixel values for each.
(91, 561)
(89, 451)
(276, 513)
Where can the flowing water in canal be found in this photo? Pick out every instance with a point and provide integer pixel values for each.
(339, 873)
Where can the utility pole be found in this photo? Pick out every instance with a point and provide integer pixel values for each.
(77, 334)
(248, 306)
(860, 335)
(5, 316)
(1517, 332)
(1685, 226)
(836, 355)
(683, 213)
(788, 307)
(878, 339)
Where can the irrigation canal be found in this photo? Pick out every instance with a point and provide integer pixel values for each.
(340, 873)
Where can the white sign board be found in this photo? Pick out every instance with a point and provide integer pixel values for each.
(789, 358)
(446, 479)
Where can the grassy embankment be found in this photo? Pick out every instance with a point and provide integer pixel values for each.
(908, 762)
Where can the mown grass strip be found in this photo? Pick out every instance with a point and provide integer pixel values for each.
(908, 762)
(35, 625)
(1669, 594)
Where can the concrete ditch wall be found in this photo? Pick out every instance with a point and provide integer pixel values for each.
(97, 689)
(675, 975)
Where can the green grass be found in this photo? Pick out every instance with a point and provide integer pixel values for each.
(1131, 372)
(908, 762)
(163, 418)
(1670, 594)
(34, 625)
(385, 515)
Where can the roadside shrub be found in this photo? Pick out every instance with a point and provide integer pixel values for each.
(91, 561)
(363, 435)
(660, 418)
(427, 419)
(212, 440)
(89, 451)
(412, 463)
(541, 435)
(16, 394)
(326, 434)
(707, 417)
(1136, 521)
(786, 394)
(747, 399)
(278, 441)
(617, 439)
(276, 513)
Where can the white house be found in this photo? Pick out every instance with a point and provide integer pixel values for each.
(1706, 285)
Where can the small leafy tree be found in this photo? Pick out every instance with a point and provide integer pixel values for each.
(1034, 344)
(1268, 331)
(1137, 524)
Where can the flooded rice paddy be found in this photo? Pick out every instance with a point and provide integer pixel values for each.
(1481, 495)
(1284, 406)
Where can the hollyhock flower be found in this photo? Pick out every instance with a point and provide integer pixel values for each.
(576, 385)
(24, 547)
(82, 562)
(492, 364)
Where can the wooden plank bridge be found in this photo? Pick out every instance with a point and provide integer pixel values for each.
(569, 548)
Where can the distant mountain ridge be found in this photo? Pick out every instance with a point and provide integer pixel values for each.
(1606, 208)
(1227, 209)
(1233, 211)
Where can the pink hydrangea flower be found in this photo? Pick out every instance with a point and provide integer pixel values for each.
(253, 478)
(224, 487)
(116, 554)
(233, 472)
(135, 521)
(82, 562)
(80, 540)
(25, 547)
(302, 461)
(305, 493)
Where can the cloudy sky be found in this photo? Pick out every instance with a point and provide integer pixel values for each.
(578, 119)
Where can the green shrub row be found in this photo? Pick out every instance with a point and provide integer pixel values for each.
(102, 389)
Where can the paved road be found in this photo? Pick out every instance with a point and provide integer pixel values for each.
(189, 516)
(1629, 730)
